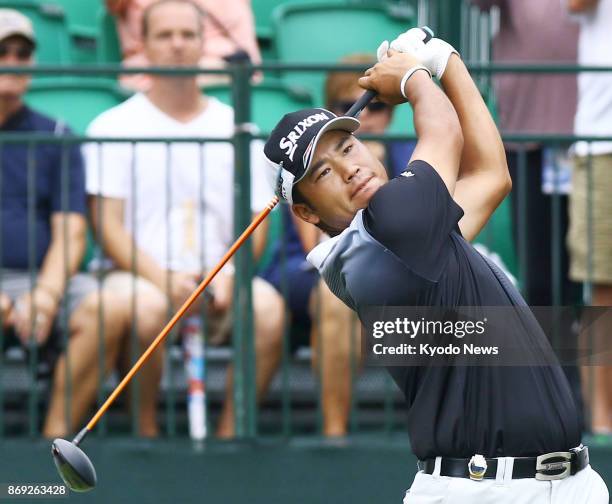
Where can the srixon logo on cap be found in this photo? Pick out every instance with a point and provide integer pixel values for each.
(289, 142)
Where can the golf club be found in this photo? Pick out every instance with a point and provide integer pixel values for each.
(72, 463)
(366, 97)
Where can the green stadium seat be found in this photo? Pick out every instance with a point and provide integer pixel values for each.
(262, 10)
(270, 100)
(83, 48)
(325, 32)
(109, 50)
(82, 15)
(75, 101)
(51, 28)
(82, 18)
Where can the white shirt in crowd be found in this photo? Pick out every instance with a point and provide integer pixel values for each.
(594, 113)
(178, 196)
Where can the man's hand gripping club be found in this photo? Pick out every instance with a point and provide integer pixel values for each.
(389, 77)
(483, 180)
(432, 53)
(401, 76)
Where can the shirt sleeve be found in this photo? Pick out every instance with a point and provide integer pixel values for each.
(413, 216)
(107, 165)
(262, 189)
(68, 193)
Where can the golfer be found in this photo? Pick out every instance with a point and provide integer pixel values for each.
(486, 434)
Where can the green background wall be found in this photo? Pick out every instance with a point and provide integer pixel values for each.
(366, 470)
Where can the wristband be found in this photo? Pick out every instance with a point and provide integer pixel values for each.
(409, 74)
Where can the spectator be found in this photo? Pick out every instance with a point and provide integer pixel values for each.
(530, 33)
(341, 91)
(310, 299)
(43, 241)
(591, 250)
(322, 316)
(178, 209)
(229, 34)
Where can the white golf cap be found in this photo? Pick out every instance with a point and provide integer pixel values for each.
(14, 23)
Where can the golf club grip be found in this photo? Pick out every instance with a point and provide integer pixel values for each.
(367, 97)
(181, 311)
(363, 100)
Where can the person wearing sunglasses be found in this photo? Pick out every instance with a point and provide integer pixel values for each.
(41, 293)
(17, 44)
(18, 47)
(342, 90)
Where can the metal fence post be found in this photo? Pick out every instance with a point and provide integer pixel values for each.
(243, 339)
(448, 21)
(2, 335)
(33, 272)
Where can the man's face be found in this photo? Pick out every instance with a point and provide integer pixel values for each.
(174, 36)
(15, 51)
(374, 118)
(343, 177)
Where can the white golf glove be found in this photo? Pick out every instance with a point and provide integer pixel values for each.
(434, 54)
(381, 52)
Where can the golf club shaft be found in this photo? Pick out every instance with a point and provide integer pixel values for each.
(186, 305)
(353, 111)
(363, 100)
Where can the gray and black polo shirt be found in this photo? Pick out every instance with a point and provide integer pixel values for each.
(405, 249)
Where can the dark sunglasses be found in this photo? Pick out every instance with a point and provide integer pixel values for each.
(344, 106)
(22, 52)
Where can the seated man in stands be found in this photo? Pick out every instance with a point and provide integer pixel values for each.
(43, 227)
(229, 35)
(174, 201)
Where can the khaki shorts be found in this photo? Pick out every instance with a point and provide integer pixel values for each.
(591, 265)
(218, 326)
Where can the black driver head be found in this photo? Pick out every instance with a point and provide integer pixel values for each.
(74, 466)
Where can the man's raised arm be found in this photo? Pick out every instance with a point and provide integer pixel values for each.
(483, 180)
(438, 129)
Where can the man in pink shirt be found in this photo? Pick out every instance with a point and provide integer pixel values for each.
(532, 33)
(229, 30)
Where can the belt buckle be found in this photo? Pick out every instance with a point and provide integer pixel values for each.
(477, 467)
(563, 466)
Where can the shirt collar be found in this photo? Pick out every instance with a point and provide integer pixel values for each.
(16, 121)
(323, 250)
